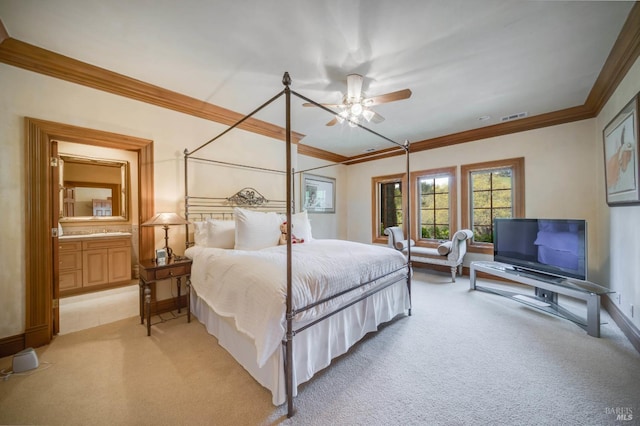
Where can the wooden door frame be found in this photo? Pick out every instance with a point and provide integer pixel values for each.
(38, 212)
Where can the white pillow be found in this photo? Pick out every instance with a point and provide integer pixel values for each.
(256, 230)
(301, 227)
(221, 233)
(200, 233)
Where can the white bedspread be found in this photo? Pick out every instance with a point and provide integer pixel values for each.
(250, 286)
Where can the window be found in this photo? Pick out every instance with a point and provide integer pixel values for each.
(491, 190)
(435, 200)
(433, 203)
(388, 204)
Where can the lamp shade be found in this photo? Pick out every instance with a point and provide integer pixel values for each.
(165, 219)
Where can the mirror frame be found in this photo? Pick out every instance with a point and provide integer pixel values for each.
(125, 195)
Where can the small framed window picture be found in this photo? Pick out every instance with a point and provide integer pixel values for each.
(161, 256)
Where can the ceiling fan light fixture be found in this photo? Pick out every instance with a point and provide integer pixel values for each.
(368, 114)
(356, 109)
(354, 87)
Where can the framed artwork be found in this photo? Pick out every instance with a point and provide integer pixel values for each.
(319, 194)
(621, 156)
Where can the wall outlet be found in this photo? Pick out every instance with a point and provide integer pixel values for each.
(619, 298)
(631, 311)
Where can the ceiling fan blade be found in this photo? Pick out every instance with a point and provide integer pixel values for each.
(332, 122)
(389, 97)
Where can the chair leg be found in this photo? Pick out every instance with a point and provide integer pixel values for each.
(453, 273)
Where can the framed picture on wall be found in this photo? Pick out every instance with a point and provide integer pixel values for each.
(318, 194)
(621, 156)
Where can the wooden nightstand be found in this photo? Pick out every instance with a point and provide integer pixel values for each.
(151, 272)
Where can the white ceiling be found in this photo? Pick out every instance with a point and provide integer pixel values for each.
(462, 59)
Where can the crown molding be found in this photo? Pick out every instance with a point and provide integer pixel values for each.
(623, 55)
(311, 151)
(26, 56)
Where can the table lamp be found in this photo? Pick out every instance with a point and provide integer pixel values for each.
(165, 220)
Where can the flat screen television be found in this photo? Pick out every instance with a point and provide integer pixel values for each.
(555, 247)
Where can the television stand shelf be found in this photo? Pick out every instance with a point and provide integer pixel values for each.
(547, 289)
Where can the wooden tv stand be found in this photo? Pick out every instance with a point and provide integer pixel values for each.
(547, 288)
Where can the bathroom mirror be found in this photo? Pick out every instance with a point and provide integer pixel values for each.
(93, 189)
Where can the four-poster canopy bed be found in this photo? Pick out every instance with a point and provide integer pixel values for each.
(272, 305)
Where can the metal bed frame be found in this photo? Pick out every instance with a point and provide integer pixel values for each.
(203, 207)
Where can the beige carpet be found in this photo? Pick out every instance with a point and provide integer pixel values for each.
(462, 358)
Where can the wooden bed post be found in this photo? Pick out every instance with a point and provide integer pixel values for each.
(286, 80)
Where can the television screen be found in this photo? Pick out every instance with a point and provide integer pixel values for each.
(550, 246)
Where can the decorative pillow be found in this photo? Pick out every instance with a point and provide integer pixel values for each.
(256, 230)
(301, 226)
(444, 248)
(401, 245)
(221, 233)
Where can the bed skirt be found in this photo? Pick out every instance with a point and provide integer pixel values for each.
(333, 337)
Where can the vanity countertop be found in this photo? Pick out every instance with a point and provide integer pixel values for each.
(94, 236)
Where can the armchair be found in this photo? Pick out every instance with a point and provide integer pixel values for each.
(450, 253)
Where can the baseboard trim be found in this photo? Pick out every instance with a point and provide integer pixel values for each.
(627, 327)
(12, 345)
(446, 269)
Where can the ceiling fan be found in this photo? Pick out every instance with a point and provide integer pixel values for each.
(355, 106)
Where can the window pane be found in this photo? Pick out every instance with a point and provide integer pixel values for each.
(427, 217)
(502, 198)
(480, 180)
(482, 199)
(442, 201)
(427, 202)
(502, 179)
(491, 197)
(434, 207)
(442, 217)
(390, 205)
(426, 186)
(482, 216)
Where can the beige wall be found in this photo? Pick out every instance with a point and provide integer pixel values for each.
(559, 176)
(619, 226)
(325, 225)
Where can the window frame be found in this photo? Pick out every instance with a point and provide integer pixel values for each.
(517, 168)
(375, 200)
(450, 172)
